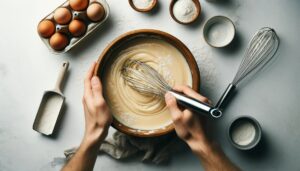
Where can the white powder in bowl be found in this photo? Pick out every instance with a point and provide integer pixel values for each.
(243, 133)
(219, 31)
(142, 4)
(185, 10)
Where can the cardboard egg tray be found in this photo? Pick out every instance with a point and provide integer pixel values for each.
(80, 15)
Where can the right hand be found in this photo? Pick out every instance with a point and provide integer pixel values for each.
(188, 126)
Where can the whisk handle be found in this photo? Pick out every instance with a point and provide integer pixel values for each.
(196, 105)
(225, 96)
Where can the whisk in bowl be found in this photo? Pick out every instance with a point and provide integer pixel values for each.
(146, 80)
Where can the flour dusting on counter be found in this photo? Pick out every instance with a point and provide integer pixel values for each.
(206, 66)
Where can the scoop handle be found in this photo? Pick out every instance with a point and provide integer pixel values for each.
(63, 69)
(196, 105)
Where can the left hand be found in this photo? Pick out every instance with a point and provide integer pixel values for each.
(97, 114)
(97, 122)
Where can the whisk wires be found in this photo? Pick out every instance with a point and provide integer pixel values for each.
(260, 51)
(143, 78)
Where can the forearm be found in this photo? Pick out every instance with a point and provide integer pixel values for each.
(213, 158)
(85, 157)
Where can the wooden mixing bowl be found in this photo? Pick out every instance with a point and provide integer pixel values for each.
(114, 48)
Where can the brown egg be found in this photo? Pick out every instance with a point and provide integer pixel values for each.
(77, 28)
(46, 28)
(79, 5)
(58, 41)
(95, 12)
(62, 16)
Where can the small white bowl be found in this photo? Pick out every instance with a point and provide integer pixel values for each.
(218, 31)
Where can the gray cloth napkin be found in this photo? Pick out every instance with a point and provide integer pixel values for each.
(121, 146)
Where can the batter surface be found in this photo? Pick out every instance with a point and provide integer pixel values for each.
(127, 105)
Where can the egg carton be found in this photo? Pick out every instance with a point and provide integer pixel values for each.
(80, 15)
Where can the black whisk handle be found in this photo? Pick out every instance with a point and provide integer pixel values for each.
(196, 105)
(225, 96)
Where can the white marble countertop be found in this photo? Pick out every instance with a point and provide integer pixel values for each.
(27, 68)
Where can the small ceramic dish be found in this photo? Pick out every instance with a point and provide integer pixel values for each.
(198, 6)
(244, 132)
(148, 9)
(218, 31)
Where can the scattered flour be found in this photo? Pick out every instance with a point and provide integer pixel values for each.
(206, 66)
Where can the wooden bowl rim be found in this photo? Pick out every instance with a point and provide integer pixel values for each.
(143, 10)
(104, 58)
(198, 6)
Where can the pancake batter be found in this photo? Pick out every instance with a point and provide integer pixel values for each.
(127, 105)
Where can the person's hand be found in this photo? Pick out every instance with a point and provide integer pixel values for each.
(188, 126)
(97, 122)
(97, 115)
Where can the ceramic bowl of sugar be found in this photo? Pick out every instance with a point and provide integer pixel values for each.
(135, 113)
(218, 31)
(244, 132)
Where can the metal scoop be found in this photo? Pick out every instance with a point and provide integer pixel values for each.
(50, 106)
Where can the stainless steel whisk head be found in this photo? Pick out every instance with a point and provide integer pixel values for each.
(260, 50)
(144, 79)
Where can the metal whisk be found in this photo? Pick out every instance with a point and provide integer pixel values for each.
(146, 80)
(261, 49)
